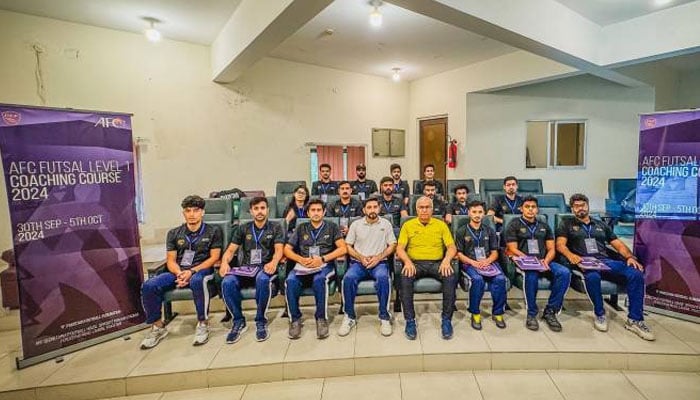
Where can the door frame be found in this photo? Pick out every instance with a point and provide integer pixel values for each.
(447, 134)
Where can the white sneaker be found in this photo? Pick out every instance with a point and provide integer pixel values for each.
(640, 328)
(346, 326)
(154, 337)
(385, 327)
(600, 323)
(201, 335)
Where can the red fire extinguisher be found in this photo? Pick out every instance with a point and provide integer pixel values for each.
(452, 154)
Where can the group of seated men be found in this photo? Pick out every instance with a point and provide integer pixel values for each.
(425, 248)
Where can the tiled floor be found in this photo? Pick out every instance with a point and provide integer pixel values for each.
(119, 367)
(487, 385)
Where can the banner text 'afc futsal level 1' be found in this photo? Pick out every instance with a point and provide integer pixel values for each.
(667, 228)
(70, 187)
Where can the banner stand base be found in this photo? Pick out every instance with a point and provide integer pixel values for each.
(27, 362)
(672, 314)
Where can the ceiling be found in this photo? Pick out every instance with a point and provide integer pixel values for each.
(419, 45)
(606, 12)
(196, 21)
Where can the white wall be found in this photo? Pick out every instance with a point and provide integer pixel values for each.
(200, 136)
(496, 132)
(445, 94)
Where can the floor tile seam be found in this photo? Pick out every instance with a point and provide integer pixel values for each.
(555, 384)
(634, 386)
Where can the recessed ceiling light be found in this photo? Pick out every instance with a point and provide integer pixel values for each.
(152, 34)
(396, 76)
(661, 3)
(375, 17)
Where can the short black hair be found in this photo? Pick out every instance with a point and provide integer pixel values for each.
(577, 197)
(510, 178)
(428, 165)
(476, 203)
(326, 165)
(193, 201)
(341, 183)
(460, 187)
(315, 201)
(429, 183)
(386, 179)
(369, 199)
(257, 200)
(531, 198)
(394, 166)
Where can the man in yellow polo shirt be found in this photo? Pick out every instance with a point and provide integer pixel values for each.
(425, 247)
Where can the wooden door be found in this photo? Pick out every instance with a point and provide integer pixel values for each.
(433, 147)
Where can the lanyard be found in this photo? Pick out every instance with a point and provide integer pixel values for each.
(324, 187)
(397, 186)
(300, 212)
(463, 210)
(532, 230)
(361, 186)
(477, 240)
(344, 209)
(255, 235)
(318, 232)
(387, 206)
(196, 239)
(588, 228)
(513, 206)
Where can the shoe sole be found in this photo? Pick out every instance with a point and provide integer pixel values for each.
(239, 336)
(262, 339)
(156, 343)
(600, 328)
(200, 343)
(638, 334)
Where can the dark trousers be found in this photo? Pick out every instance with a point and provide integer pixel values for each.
(428, 269)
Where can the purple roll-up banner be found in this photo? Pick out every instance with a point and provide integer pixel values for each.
(71, 192)
(667, 227)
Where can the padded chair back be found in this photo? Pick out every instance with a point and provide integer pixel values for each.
(490, 185)
(218, 210)
(552, 200)
(618, 188)
(529, 186)
(414, 189)
(412, 204)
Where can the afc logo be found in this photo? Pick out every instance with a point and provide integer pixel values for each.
(109, 122)
(11, 117)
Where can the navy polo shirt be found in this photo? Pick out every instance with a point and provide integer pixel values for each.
(483, 237)
(245, 236)
(318, 188)
(352, 209)
(202, 241)
(502, 205)
(306, 236)
(576, 233)
(520, 231)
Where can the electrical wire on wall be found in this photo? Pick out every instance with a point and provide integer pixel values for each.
(39, 74)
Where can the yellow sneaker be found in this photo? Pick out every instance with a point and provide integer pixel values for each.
(498, 319)
(476, 321)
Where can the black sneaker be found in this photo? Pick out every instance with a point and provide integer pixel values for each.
(550, 317)
(531, 323)
(476, 321)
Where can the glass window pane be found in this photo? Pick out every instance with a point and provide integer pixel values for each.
(536, 147)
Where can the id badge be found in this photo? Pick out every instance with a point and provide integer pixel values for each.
(256, 256)
(362, 195)
(480, 253)
(314, 251)
(187, 258)
(344, 222)
(591, 246)
(324, 198)
(533, 246)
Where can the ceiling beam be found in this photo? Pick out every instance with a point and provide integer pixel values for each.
(256, 28)
(520, 32)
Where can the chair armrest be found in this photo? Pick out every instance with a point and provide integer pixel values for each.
(155, 268)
